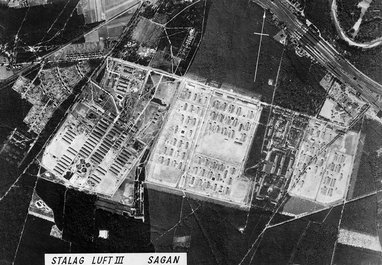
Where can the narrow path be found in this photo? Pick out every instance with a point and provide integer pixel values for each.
(258, 51)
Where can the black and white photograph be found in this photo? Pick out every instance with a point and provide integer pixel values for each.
(191, 132)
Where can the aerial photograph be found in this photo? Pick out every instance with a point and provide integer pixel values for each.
(198, 132)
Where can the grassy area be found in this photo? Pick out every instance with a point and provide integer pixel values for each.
(296, 205)
(348, 13)
(53, 195)
(81, 221)
(79, 210)
(308, 240)
(51, 24)
(316, 247)
(229, 49)
(279, 243)
(214, 229)
(9, 174)
(371, 163)
(254, 154)
(121, 230)
(36, 241)
(361, 216)
(13, 110)
(14, 209)
(347, 255)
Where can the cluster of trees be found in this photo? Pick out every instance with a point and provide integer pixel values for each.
(348, 13)
(14, 210)
(298, 86)
(79, 225)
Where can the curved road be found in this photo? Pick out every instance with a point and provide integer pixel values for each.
(323, 52)
(367, 45)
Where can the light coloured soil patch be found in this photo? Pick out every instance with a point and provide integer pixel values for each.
(240, 190)
(326, 179)
(147, 32)
(216, 145)
(4, 73)
(165, 175)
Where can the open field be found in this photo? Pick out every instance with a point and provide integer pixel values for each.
(347, 255)
(368, 172)
(361, 216)
(14, 209)
(36, 241)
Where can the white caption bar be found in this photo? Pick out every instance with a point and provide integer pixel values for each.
(116, 259)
